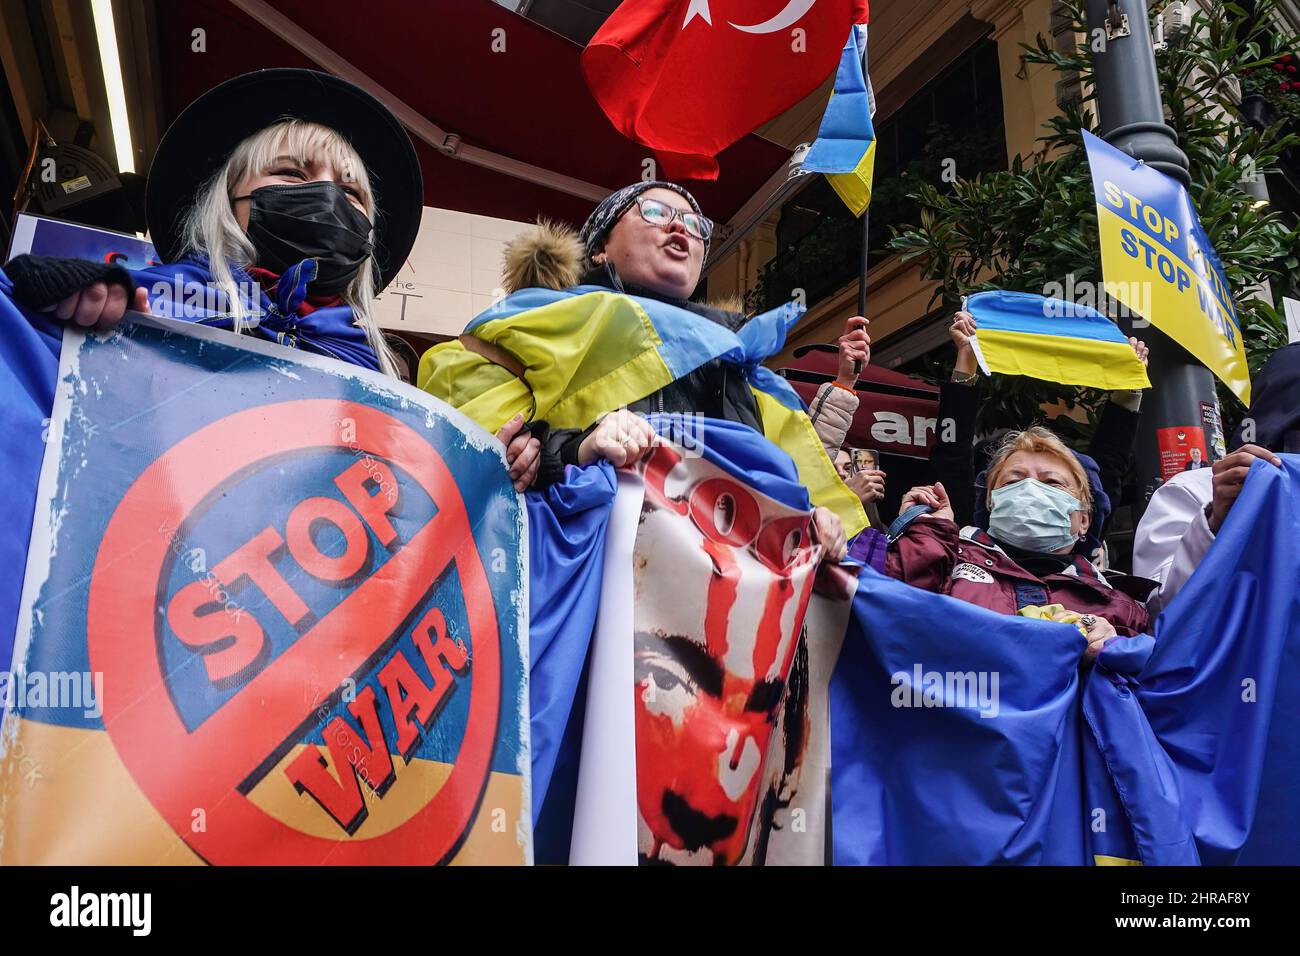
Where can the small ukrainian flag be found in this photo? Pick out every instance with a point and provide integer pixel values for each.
(1020, 333)
(845, 148)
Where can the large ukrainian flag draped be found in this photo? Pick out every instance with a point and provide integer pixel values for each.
(588, 350)
(1025, 334)
(845, 149)
(1176, 748)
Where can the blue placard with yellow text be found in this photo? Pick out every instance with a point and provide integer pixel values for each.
(1157, 259)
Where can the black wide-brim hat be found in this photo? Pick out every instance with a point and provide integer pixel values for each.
(198, 143)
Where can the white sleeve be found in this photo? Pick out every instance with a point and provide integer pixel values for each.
(1172, 537)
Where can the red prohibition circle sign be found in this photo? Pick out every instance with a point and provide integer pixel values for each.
(182, 771)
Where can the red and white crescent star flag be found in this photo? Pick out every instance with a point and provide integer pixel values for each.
(688, 78)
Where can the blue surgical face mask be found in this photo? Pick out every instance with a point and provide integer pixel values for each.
(1033, 516)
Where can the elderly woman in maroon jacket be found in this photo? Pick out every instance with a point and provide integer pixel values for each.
(1040, 507)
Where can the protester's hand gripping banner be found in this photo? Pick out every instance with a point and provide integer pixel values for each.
(1157, 259)
(275, 611)
(706, 736)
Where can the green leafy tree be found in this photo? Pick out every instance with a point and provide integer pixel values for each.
(1033, 227)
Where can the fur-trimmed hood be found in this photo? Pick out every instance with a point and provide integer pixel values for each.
(546, 256)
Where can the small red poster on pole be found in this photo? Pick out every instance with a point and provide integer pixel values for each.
(1181, 449)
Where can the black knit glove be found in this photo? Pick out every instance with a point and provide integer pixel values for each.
(43, 281)
(551, 468)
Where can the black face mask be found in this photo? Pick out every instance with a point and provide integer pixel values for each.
(290, 223)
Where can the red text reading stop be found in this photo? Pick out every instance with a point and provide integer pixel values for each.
(234, 644)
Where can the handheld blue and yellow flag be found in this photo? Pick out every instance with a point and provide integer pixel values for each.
(1157, 259)
(1052, 339)
(845, 148)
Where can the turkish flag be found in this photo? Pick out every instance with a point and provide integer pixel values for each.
(688, 78)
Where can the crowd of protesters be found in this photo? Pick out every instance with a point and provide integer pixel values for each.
(279, 213)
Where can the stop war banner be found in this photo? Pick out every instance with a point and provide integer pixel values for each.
(274, 613)
(1157, 259)
(706, 737)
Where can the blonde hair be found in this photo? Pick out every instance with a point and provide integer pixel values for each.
(1039, 440)
(210, 228)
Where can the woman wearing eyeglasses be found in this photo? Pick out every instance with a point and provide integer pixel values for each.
(650, 239)
(615, 337)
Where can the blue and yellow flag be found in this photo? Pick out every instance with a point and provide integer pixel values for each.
(845, 149)
(1157, 259)
(961, 736)
(1052, 339)
(588, 350)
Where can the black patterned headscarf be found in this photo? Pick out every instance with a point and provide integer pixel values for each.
(603, 218)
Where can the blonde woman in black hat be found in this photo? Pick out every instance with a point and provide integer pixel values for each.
(281, 202)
